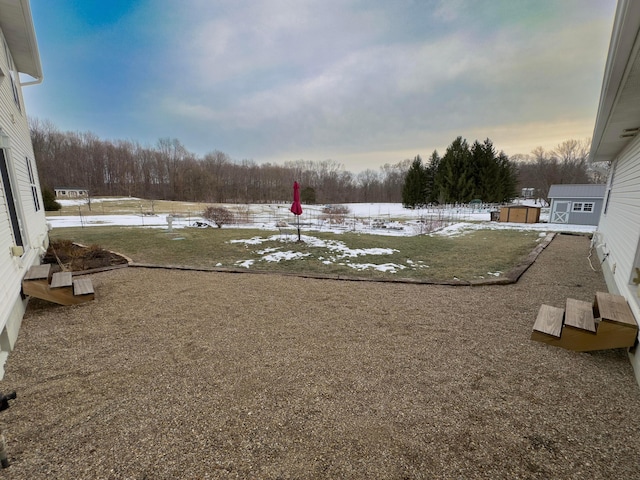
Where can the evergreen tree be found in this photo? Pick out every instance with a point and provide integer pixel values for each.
(49, 200)
(413, 191)
(454, 179)
(431, 172)
(508, 176)
(486, 171)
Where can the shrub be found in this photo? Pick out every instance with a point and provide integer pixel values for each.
(49, 200)
(218, 215)
(335, 213)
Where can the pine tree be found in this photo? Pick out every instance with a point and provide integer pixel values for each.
(486, 171)
(508, 175)
(414, 189)
(454, 180)
(431, 173)
(49, 200)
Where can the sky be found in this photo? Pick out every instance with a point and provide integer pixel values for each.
(361, 82)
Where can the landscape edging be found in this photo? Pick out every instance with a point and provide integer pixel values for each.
(510, 278)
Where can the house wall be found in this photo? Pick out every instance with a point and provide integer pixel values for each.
(617, 239)
(13, 121)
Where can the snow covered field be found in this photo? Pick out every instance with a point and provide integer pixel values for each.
(372, 218)
(280, 226)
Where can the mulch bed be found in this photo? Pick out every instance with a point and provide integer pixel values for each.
(73, 257)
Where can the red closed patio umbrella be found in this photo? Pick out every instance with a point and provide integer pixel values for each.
(296, 206)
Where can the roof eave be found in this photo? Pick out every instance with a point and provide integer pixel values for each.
(22, 38)
(623, 49)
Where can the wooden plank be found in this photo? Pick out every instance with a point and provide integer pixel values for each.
(61, 280)
(579, 314)
(38, 272)
(614, 308)
(549, 320)
(82, 286)
(610, 335)
(63, 296)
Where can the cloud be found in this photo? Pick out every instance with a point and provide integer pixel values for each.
(364, 83)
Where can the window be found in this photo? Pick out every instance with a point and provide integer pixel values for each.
(10, 199)
(32, 184)
(586, 207)
(12, 77)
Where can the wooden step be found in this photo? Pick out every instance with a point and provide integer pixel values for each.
(614, 308)
(61, 280)
(549, 321)
(63, 290)
(579, 314)
(615, 328)
(38, 272)
(83, 287)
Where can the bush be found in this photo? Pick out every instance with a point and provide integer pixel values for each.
(218, 215)
(335, 213)
(49, 200)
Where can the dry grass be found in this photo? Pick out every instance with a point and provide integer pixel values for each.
(467, 257)
(174, 374)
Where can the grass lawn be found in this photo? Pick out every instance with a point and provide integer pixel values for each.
(477, 254)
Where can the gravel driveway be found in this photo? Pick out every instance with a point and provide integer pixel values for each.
(174, 374)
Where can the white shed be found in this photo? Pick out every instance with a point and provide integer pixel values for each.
(616, 139)
(23, 228)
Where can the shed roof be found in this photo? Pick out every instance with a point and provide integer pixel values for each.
(588, 190)
(17, 26)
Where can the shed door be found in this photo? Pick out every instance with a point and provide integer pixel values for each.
(560, 212)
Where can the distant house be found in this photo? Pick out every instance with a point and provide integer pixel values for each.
(616, 139)
(528, 192)
(68, 192)
(23, 227)
(576, 204)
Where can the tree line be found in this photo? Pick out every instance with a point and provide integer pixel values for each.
(461, 175)
(169, 171)
(567, 163)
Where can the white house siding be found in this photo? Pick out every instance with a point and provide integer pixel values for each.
(14, 124)
(618, 237)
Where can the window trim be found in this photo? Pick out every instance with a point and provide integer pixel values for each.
(582, 207)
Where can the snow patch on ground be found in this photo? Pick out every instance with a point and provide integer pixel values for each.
(376, 219)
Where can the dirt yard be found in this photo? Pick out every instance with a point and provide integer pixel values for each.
(174, 374)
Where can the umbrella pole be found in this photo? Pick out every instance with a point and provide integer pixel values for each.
(298, 228)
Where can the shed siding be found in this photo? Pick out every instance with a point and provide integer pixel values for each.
(586, 218)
